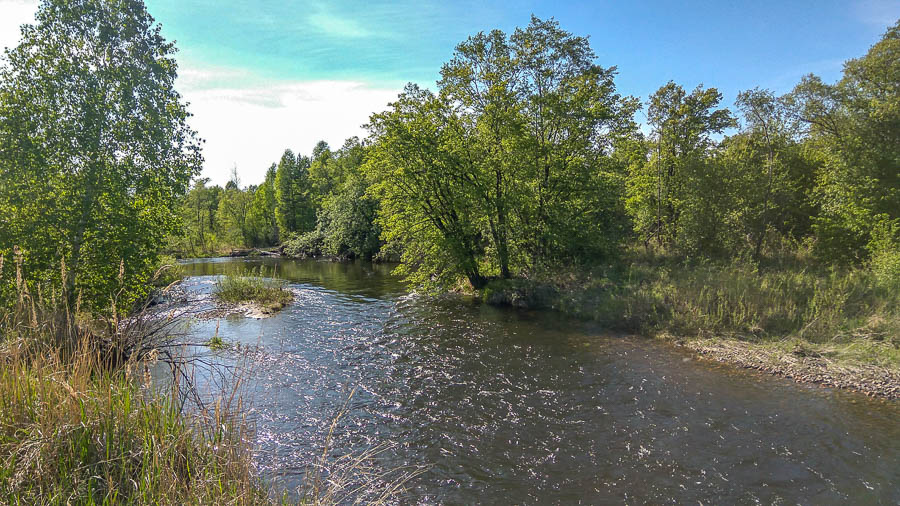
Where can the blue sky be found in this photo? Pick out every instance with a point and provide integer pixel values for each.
(267, 75)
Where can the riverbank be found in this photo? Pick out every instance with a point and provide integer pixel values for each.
(831, 327)
(235, 252)
(79, 427)
(820, 365)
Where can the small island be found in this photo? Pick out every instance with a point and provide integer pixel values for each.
(253, 295)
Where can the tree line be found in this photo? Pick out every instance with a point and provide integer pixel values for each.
(525, 157)
(315, 205)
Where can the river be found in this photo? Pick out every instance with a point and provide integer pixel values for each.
(503, 406)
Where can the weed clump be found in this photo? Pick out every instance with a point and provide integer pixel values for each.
(270, 294)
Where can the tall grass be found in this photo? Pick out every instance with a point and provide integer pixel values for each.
(80, 425)
(74, 431)
(787, 299)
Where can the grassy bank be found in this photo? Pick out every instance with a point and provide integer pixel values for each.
(81, 423)
(268, 294)
(789, 306)
(74, 432)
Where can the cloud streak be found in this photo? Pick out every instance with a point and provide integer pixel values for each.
(338, 26)
(343, 26)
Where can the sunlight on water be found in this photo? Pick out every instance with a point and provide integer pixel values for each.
(520, 407)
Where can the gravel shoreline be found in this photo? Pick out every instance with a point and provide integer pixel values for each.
(798, 366)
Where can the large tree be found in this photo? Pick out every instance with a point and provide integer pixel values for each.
(94, 145)
(512, 155)
(424, 179)
(293, 209)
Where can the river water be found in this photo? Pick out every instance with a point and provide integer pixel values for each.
(502, 406)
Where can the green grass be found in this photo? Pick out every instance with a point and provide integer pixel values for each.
(270, 294)
(216, 343)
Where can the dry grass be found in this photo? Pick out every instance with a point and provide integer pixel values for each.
(354, 478)
(80, 425)
(847, 313)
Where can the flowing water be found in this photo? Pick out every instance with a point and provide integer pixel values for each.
(513, 407)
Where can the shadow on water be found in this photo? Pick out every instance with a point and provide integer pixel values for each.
(523, 407)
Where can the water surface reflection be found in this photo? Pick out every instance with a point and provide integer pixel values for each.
(520, 407)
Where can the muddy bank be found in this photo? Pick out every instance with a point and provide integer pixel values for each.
(800, 365)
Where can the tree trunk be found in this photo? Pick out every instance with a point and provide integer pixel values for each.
(77, 241)
(502, 244)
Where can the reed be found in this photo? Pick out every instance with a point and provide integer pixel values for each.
(74, 431)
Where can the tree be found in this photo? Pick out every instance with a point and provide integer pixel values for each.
(199, 217)
(682, 204)
(572, 118)
(766, 118)
(422, 178)
(324, 174)
(95, 148)
(347, 216)
(293, 209)
(855, 124)
(479, 80)
(756, 201)
(261, 223)
(510, 164)
(234, 207)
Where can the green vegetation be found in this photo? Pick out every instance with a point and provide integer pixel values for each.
(84, 187)
(313, 206)
(843, 313)
(74, 432)
(95, 152)
(787, 230)
(527, 161)
(270, 294)
(216, 343)
(80, 423)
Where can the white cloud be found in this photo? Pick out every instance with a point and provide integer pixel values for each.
(251, 124)
(247, 120)
(13, 14)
